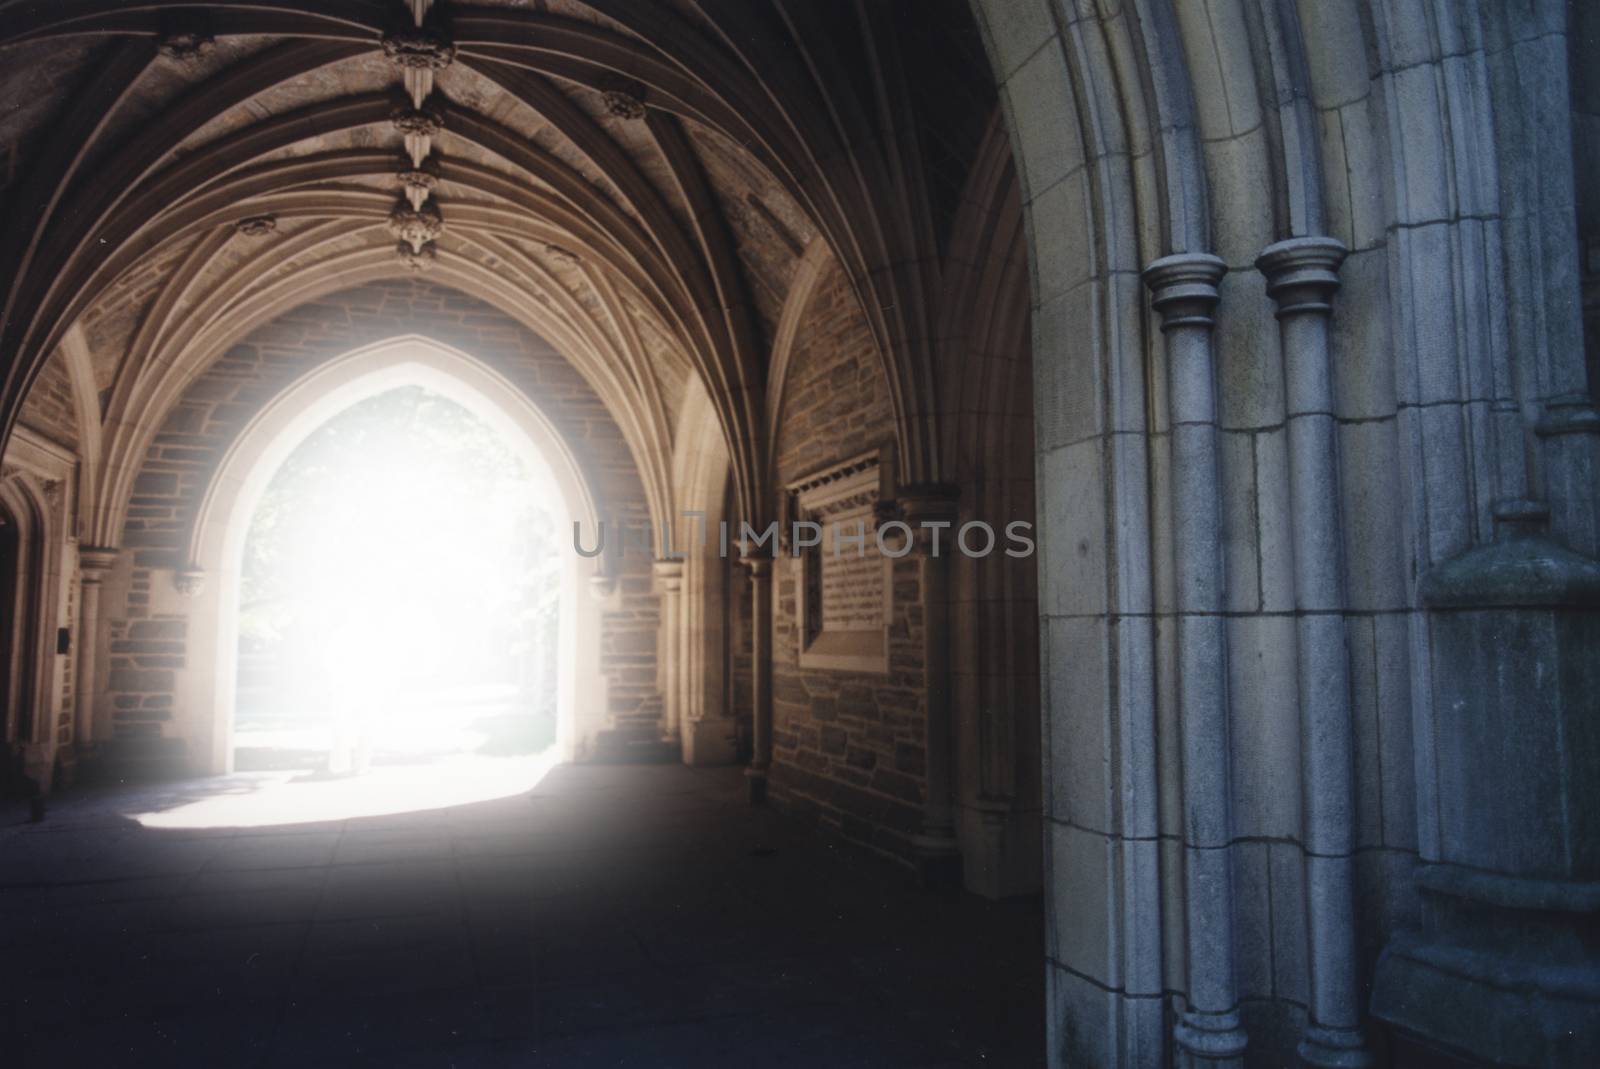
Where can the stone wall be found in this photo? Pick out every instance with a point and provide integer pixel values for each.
(1242, 510)
(148, 646)
(847, 746)
(49, 407)
(740, 683)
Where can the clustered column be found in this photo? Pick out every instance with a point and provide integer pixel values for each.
(931, 512)
(93, 564)
(761, 672)
(669, 580)
(1302, 276)
(1184, 292)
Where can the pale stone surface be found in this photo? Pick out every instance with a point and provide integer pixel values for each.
(1363, 377)
(1032, 92)
(1249, 367)
(1062, 255)
(1016, 37)
(1374, 569)
(1275, 520)
(1361, 125)
(1290, 969)
(1252, 882)
(1338, 65)
(1236, 172)
(1082, 866)
(1079, 787)
(1242, 507)
(1396, 746)
(1067, 392)
(1366, 712)
(1265, 742)
(1072, 529)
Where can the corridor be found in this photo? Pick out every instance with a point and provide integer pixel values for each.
(611, 916)
(1135, 464)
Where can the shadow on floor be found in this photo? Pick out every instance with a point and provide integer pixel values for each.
(614, 916)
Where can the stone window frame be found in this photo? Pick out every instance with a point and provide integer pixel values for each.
(845, 492)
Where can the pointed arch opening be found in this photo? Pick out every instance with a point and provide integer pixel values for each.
(224, 518)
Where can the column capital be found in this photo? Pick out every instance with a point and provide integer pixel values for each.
(189, 581)
(1568, 413)
(669, 573)
(95, 561)
(1302, 273)
(1183, 288)
(759, 564)
(928, 501)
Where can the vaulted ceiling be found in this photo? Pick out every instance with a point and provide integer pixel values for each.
(636, 180)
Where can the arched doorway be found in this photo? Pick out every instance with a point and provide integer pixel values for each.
(218, 541)
(13, 667)
(21, 623)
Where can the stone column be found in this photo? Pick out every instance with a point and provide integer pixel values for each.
(93, 564)
(931, 512)
(669, 585)
(1570, 432)
(1302, 276)
(761, 674)
(1184, 291)
(1503, 970)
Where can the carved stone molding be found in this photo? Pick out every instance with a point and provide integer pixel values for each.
(606, 590)
(929, 502)
(847, 472)
(257, 226)
(94, 561)
(1571, 413)
(416, 227)
(668, 574)
(417, 122)
(186, 47)
(1302, 274)
(418, 178)
(189, 581)
(1183, 289)
(625, 99)
(560, 254)
(419, 259)
(419, 48)
(843, 581)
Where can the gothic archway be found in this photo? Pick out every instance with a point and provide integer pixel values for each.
(217, 540)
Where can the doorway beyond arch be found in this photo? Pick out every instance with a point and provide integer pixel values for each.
(208, 687)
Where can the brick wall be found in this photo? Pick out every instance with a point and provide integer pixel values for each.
(847, 746)
(147, 649)
(49, 407)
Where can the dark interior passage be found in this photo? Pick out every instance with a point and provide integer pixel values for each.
(614, 916)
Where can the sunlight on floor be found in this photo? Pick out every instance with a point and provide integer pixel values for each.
(262, 799)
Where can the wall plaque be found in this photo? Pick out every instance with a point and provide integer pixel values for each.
(843, 583)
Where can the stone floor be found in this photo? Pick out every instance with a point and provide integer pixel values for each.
(614, 916)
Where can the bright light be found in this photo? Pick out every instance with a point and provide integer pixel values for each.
(263, 799)
(400, 588)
